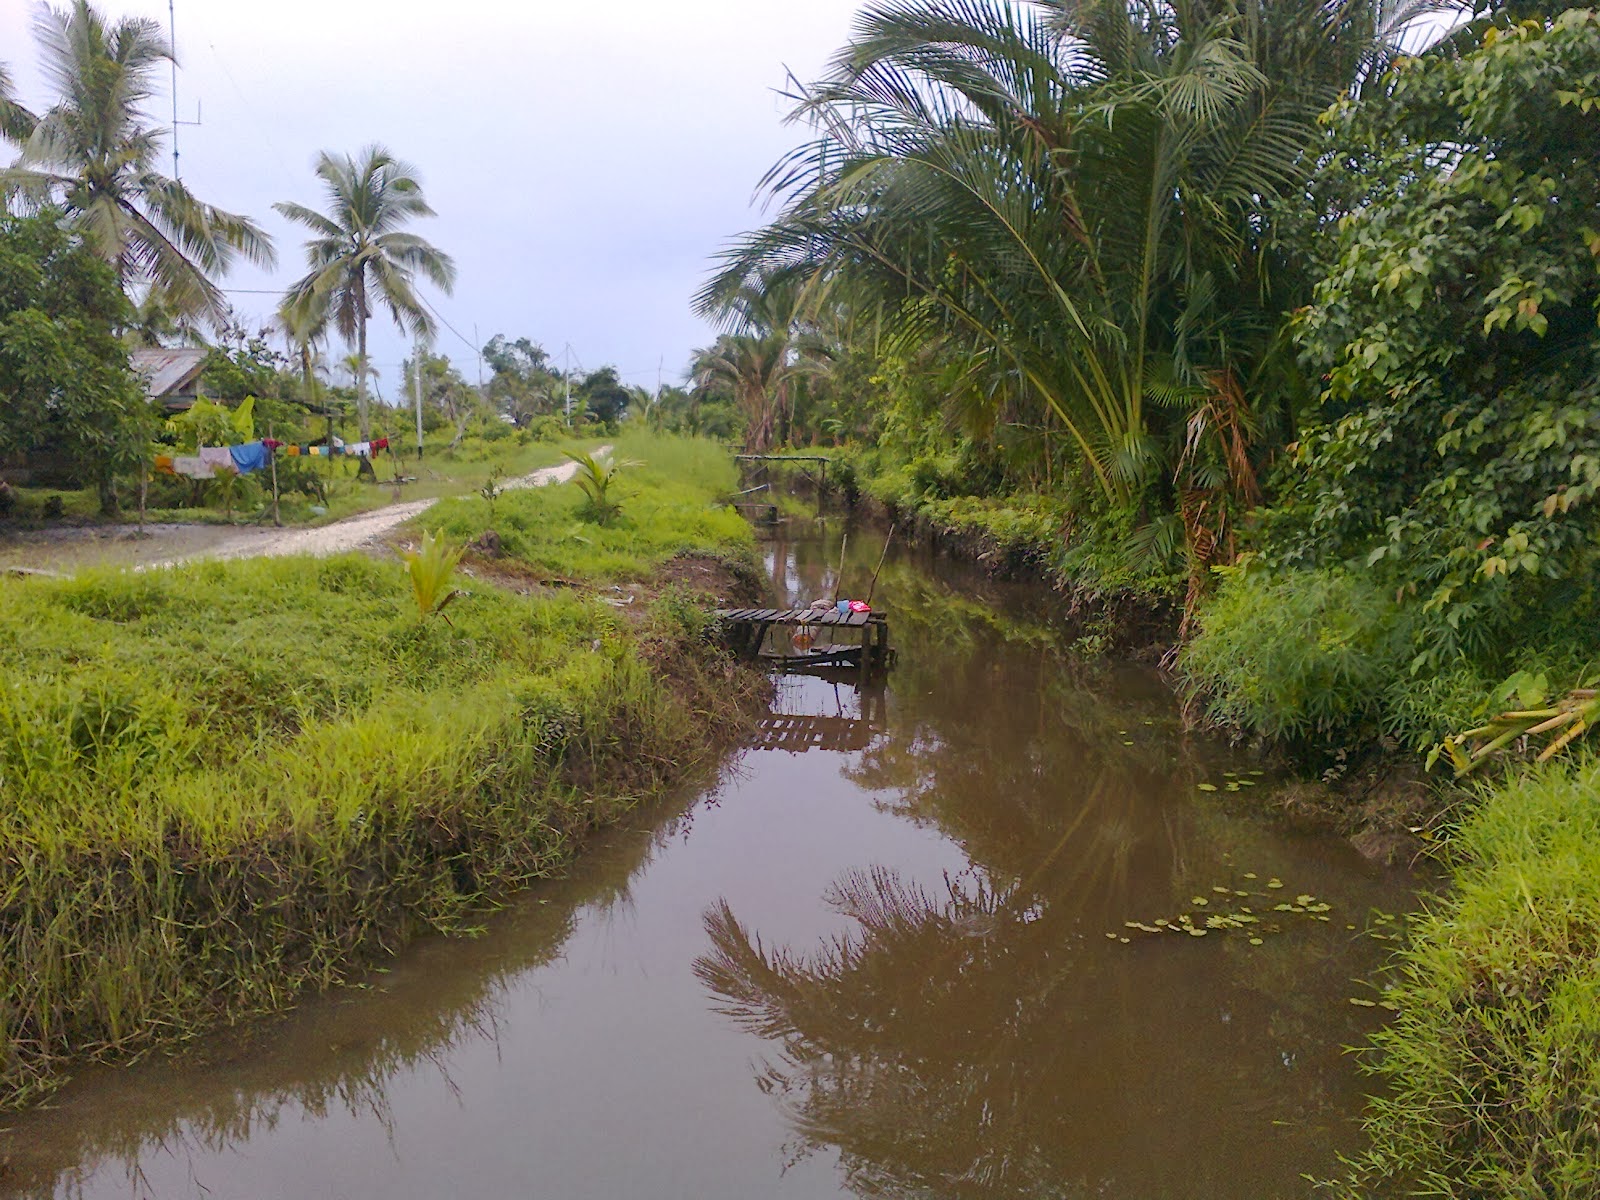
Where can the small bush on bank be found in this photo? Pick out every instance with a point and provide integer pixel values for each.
(1306, 655)
(1492, 1066)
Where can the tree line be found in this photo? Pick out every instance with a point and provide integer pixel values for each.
(100, 251)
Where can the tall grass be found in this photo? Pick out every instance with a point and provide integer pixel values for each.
(1493, 1063)
(670, 505)
(225, 784)
(1308, 655)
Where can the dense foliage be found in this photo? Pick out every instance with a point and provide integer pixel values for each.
(65, 385)
(1457, 453)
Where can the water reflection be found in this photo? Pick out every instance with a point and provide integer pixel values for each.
(981, 1035)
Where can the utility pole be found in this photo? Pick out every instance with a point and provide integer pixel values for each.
(566, 376)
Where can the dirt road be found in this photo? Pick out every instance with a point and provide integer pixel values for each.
(69, 549)
(352, 533)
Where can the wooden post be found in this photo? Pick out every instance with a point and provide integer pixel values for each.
(838, 578)
(272, 459)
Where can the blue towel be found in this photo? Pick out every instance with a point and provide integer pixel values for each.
(252, 456)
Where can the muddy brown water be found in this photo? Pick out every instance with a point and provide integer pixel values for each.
(897, 970)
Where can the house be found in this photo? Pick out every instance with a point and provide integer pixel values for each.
(171, 377)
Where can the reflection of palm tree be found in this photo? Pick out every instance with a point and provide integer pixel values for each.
(94, 154)
(979, 1042)
(361, 257)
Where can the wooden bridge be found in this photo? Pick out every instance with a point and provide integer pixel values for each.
(745, 630)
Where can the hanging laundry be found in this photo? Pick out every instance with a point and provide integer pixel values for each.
(220, 458)
(270, 443)
(192, 466)
(163, 464)
(360, 449)
(380, 445)
(252, 456)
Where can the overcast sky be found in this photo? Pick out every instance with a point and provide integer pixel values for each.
(586, 159)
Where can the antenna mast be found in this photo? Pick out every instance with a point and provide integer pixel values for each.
(172, 58)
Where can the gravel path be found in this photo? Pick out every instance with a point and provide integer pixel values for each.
(352, 533)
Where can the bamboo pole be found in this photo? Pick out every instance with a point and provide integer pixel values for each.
(874, 587)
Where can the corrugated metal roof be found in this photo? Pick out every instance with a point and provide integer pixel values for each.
(168, 371)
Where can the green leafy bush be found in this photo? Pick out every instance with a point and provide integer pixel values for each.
(1457, 451)
(1305, 655)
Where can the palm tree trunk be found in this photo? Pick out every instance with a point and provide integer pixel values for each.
(362, 419)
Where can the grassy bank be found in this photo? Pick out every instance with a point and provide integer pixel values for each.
(667, 508)
(225, 784)
(1052, 535)
(1493, 1063)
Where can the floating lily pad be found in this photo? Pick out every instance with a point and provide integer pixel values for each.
(1207, 787)
(1255, 941)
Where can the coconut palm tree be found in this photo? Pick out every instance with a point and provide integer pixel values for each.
(760, 361)
(93, 153)
(1075, 198)
(361, 255)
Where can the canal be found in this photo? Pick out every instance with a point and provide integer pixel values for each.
(1006, 929)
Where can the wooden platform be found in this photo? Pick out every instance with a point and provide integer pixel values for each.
(797, 616)
(745, 629)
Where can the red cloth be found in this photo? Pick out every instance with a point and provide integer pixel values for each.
(270, 444)
(380, 444)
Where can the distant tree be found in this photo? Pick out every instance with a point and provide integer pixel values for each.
(523, 385)
(93, 155)
(65, 383)
(243, 364)
(361, 256)
(605, 395)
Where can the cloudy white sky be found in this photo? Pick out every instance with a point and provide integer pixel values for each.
(585, 159)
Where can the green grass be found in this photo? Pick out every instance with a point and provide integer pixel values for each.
(669, 507)
(224, 784)
(1493, 1063)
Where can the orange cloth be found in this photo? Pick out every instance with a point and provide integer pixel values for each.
(163, 464)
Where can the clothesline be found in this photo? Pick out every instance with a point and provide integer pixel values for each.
(208, 461)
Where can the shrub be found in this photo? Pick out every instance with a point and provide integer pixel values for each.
(1308, 654)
